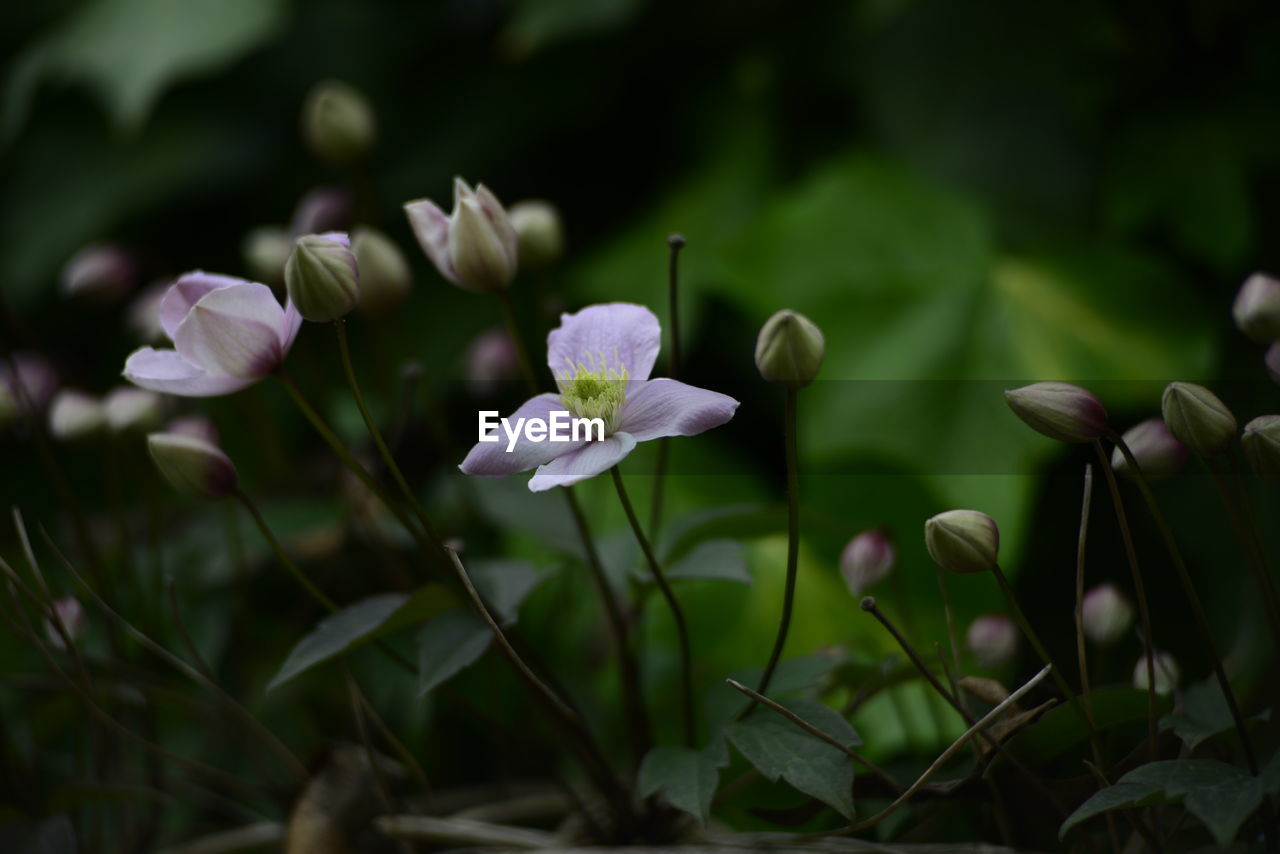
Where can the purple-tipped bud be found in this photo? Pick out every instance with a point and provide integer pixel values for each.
(993, 640)
(790, 349)
(193, 466)
(100, 271)
(70, 613)
(1107, 614)
(1261, 440)
(338, 123)
(128, 408)
(74, 415)
(322, 276)
(1159, 455)
(1166, 671)
(384, 272)
(199, 426)
(1060, 411)
(475, 247)
(963, 541)
(265, 251)
(1273, 361)
(1257, 308)
(1198, 419)
(867, 559)
(537, 224)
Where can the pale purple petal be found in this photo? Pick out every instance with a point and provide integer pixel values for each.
(292, 323)
(491, 459)
(623, 334)
(664, 407)
(186, 292)
(431, 227)
(166, 371)
(497, 215)
(235, 331)
(337, 237)
(587, 461)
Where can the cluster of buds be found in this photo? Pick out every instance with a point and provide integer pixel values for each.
(1257, 314)
(75, 415)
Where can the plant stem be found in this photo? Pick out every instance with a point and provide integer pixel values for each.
(1144, 612)
(1252, 556)
(281, 555)
(949, 613)
(517, 340)
(676, 242)
(677, 613)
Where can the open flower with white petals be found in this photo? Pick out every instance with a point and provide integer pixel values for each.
(601, 358)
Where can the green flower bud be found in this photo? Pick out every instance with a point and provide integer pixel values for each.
(789, 349)
(963, 541)
(74, 415)
(537, 224)
(193, 466)
(480, 254)
(1198, 419)
(384, 273)
(128, 408)
(266, 250)
(1166, 672)
(1257, 308)
(322, 276)
(1060, 411)
(1262, 446)
(338, 123)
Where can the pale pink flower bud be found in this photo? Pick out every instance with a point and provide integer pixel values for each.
(1060, 411)
(199, 426)
(70, 613)
(1106, 613)
(1257, 308)
(1166, 672)
(867, 560)
(993, 640)
(475, 247)
(1159, 455)
(537, 223)
(128, 408)
(193, 466)
(74, 415)
(100, 271)
(963, 541)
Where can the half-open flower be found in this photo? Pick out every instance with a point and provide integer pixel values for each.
(475, 247)
(601, 358)
(228, 333)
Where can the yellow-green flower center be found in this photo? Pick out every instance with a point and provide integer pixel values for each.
(594, 390)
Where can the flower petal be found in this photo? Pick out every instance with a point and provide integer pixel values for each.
(292, 323)
(664, 407)
(186, 292)
(623, 333)
(166, 371)
(497, 215)
(585, 462)
(431, 227)
(491, 459)
(235, 331)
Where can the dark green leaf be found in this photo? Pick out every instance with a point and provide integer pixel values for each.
(338, 633)
(686, 778)
(792, 676)
(716, 559)
(1060, 729)
(1118, 796)
(1201, 714)
(504, 584)
(447, 644)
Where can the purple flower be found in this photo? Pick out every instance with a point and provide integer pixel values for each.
(601, 358)
(475, 247)
(228, 334)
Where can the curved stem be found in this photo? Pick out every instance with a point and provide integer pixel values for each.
(281, 555)
(682, 628)
(1251, 552)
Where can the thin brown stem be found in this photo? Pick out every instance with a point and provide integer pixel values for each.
(1240, 528)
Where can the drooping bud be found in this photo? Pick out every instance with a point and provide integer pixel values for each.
(1159, 455)
(265, 250)
(100, 271)
(338, 123)
(193, 466)
(199, 426)
(1060, 411)
(993, 640)
(128, 408)
(1257, 308)
(1273, 361)
(867, 560)
(1106, 613)
(1166, 672)
(537, 224)
(322, 276)
(963, 541)
(789, 349)
(1198, 419)
(1261, 442)
(70, 613)
(73, 415)
(385, 278)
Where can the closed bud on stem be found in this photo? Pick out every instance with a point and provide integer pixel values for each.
(74, 415)
(867, 560)
(1261, 442)
(384, 273)
(1060, 411)
(322, 276)
(1107, 614)
(537, 224)
(963, 541)
(993, 640)
(1198, 419)
(338, 123)
(1166, 670)
(193, 466)
(1159, 455)
(790, 349)
(1257, 308)
(70, 613)
(127, 408)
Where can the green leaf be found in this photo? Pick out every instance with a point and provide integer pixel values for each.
(1117, 796)
(792, 676)
(339, 633)
(781, 750)
(505, 584)
(1201, 714)
(714, 559)
(686, 778)
(447, 644)
(1060, 729)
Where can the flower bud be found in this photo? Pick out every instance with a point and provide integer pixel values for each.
(338, 123)
(1198, 419)
(1257, 308)
(963, 541)
(73, 415)
(537, 224)
(789, 349)
(993, 640)
(1060, 411)
(128, 408)
(198, 426)
(1106, 613)
(384, 273)
(322, 277)
(481, 258)
(70, 613)
(1261, 442)
(1166, 672)
(866, 560)
(1273, 361)
(193, 466)
(1159, 455)
(321, 209)
(100, 271)
(265, 251)
(490, 359)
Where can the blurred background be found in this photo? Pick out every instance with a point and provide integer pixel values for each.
(965, 197)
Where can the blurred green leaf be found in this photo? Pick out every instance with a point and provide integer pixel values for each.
(504, 584)
(339, 633)
(538, 24)
(686, 778)
(1061, 729)
(716, 559)
(447, 644)
(1202, 713)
